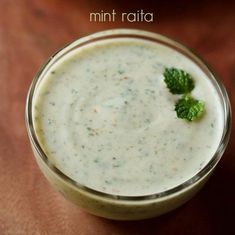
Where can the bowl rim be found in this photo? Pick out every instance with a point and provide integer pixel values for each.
(146, 35)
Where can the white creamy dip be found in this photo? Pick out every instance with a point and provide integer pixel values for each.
(104, 117)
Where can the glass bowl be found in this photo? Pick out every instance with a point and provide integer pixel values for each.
(115, 206)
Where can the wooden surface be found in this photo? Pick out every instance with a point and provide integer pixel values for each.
(30, 31)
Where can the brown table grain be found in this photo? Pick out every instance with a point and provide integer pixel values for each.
(30, 31)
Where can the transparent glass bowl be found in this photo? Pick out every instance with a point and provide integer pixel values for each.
(125, 207)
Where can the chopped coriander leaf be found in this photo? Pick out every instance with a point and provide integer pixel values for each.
(189, 108)
(178, 81)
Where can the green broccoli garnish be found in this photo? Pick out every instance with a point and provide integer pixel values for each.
(189, 108)
(178, 81)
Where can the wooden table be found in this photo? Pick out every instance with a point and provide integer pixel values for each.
(30, 31)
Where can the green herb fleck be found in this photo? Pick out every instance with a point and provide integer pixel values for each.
(189, 108)
(116, 165)
(120, 71)
(178, 81)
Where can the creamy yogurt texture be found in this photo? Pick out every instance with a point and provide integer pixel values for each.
(104, 117)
